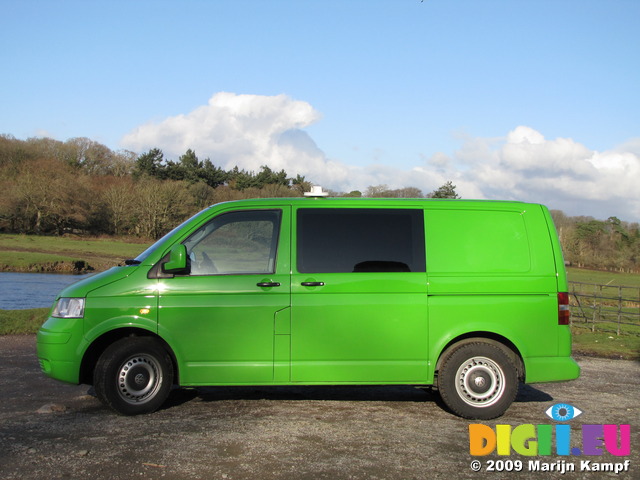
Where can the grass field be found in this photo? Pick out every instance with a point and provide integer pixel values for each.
(32, 253)
(22, 322)
(607, 345)
(20, 261)
(609, 314)
(603, 278)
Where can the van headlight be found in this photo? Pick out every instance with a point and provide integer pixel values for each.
(67, 307)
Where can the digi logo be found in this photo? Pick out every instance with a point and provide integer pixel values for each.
(533, 440)
(563, 412)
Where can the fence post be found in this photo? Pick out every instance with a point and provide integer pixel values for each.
(595, 306)
(619, 307)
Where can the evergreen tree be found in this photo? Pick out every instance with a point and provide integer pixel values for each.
(151, 164)
(448, 190)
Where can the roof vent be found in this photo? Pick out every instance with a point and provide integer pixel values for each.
(316, 191)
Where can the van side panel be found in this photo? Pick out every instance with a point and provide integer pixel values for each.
(492, 272)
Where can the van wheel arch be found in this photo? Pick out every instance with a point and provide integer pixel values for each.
(100, 344)
(501, 342)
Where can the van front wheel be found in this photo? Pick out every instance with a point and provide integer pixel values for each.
(478, 380)
(133, 376)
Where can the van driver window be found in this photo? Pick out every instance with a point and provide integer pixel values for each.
(241, 242)
(360, 240)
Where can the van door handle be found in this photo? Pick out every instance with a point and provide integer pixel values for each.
(312, 284)
(268, 284)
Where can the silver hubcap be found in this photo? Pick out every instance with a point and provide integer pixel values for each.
(139, 379)
(480, 382)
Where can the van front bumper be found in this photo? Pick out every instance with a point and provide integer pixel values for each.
(550, 369)
(56, 347)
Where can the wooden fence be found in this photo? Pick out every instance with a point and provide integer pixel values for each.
(606, 308)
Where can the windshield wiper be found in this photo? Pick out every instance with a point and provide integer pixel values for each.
(132, 261)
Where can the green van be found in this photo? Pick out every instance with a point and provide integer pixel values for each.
(466, 296)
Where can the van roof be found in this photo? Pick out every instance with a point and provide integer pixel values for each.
(392, 202)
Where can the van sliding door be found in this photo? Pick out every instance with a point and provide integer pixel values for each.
(359, 296)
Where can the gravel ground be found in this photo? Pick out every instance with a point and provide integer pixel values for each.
(49, 430)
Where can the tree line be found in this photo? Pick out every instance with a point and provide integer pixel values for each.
(605, 245)
(81, 186)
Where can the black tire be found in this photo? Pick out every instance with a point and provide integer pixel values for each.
(478, 380)
(133, 376)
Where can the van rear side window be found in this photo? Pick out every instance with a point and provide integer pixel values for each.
(360, 240)
(469, 241)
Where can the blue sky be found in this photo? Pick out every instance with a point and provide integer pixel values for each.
(533, 100)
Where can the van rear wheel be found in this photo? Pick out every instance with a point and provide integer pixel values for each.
(133, 376)
(478, 380)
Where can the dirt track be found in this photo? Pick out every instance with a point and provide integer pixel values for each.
(49, 430)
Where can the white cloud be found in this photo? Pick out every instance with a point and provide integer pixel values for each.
(560, 173)
(249, 131)
(253, 130)
(243, 130)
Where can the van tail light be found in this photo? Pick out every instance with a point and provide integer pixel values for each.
(563, 308)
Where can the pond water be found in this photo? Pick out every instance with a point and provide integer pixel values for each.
(32, 290)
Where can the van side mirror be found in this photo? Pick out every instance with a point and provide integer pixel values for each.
(178, 262)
